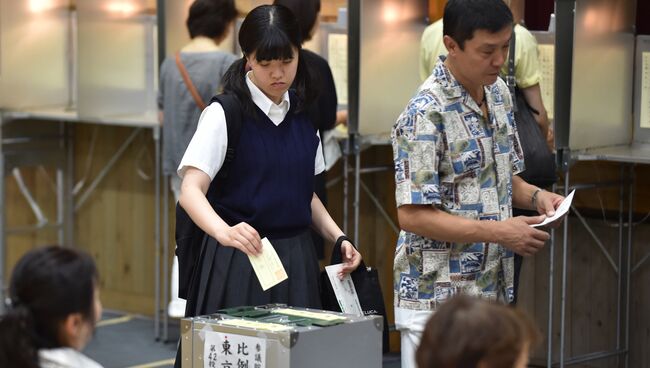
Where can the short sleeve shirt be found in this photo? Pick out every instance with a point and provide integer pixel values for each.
(527, 68)
(446, 154)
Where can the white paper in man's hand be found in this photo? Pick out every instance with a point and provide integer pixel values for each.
(561, 210)
(344, 290)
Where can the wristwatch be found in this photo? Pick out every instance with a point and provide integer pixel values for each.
(533, 199)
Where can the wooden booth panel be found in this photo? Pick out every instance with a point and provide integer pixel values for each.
(18, 213)
(116, 224)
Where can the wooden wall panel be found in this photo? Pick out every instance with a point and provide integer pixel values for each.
(18, 214)
(40, 182)
(436, 9)
(116, 224)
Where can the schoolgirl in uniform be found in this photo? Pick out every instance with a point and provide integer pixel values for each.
(269, 189)
(53, 307)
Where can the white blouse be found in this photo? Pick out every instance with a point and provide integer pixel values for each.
(64, 358)
(207, 149)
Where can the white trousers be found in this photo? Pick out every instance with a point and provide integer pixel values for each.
(410, 324)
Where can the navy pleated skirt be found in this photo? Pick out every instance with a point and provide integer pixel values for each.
(227, 279)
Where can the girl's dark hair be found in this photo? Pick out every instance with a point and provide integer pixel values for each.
(272, 33)
(465, 331)
(47, 285)
(306, 11)
(210, 18)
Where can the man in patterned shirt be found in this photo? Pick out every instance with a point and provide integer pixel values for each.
(457, 154)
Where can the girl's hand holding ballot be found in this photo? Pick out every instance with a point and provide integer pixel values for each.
(241, 236)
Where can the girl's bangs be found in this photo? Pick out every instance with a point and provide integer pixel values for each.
(274, 46)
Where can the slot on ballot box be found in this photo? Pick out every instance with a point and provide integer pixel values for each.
(278, 336)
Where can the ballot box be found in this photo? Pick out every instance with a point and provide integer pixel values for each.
(277, 336)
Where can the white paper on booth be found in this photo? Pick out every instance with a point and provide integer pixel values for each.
(344, 290)
(230, 350)
(644, 114)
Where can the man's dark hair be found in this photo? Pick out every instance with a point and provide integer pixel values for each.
(463, 17)
(306, 12)
(209, 18)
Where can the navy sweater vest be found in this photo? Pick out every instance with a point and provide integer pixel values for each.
(270, 182)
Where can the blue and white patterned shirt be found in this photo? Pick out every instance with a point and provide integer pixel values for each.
(448, 155)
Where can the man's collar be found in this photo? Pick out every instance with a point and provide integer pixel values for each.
(450, 86)
(261, 100)
(452, 89)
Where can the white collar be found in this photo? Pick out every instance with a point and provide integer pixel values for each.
(65, 357)
(200, 44)
(262, 101)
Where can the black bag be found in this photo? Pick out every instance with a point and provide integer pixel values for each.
(539, 160)
(189, 237)
(366, 283)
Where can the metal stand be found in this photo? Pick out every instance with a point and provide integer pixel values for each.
(622, 267)
(49, 146)
(3, 288)
(354, 145)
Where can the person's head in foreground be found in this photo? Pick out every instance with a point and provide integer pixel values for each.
(54, 303)
(472, 333)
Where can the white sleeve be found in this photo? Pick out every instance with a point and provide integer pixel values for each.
(319, 165)
(207, 149)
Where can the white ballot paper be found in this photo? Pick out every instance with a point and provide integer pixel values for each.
(344, 290)
(562, 210)
(268, 267)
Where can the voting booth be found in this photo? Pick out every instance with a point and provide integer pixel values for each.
(594, 86)
(31, 33)
(117, 66)
(277, 336)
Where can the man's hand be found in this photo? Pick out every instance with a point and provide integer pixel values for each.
(550, 139)
(547, 203)
(516, 234)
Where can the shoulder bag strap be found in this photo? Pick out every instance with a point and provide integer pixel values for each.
(510, 78)
(188, 82)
